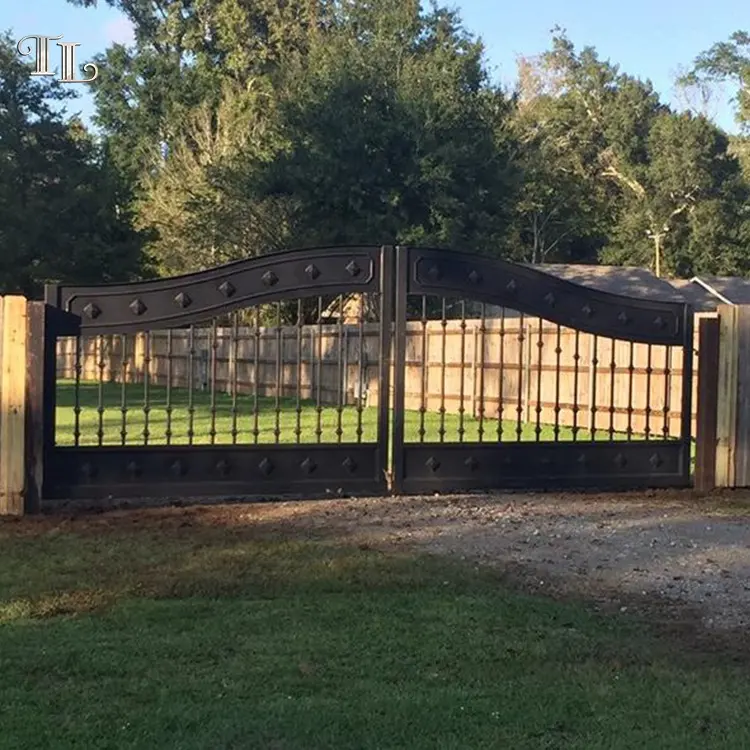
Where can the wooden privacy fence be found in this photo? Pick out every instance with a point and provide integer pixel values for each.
(483, 366)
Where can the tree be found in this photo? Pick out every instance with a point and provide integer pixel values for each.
(323, 122)
(664, 165)
(62, 215)
(197, 197)
(726, 61)
(189, 108)
(562, 214)
(183, 54)
(394, 135)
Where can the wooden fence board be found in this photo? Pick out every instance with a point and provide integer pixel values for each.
(727, 410)
(13, 406)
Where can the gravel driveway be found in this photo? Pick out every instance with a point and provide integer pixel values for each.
(665, 547)
(667, 553)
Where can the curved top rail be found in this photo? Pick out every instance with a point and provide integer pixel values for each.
(434, 271)
(191, 298)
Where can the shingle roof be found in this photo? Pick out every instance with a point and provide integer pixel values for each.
(700, 298)
(625, 280)
(734, 288)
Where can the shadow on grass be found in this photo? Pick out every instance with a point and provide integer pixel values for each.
(178, 629)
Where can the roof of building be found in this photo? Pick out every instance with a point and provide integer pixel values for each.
(696, 295)
(629, 281)
(704, 293)
(734, 289)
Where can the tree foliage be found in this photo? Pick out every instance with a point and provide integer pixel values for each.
(727, 61)
(63, 211)
(232, 128)
(671, 170)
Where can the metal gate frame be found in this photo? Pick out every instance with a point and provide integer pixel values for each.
(445, 467)
(269, 470)
(265, 470)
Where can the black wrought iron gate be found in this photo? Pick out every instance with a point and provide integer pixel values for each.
(219, 383)
(272, 376)
(569, 387)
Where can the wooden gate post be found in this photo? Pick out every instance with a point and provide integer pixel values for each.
(733, 412)
(708, 403)
(13, 324)
(727, 396)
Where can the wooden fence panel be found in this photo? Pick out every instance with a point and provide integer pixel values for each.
(492, 370)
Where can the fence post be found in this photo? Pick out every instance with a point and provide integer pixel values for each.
(707, 405)
(733, 412)
(727, 407)
(742, 429)
(13, 406)
(41, 370)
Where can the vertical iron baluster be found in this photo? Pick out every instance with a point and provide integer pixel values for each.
(169, 407)
(667, 389)
(631, 371)
(214, 366)
(234, 368)
(191, 385)
(558, 353)
(279, 374)
(256, 376)
(298, 428)
(444, 324)
(146, 387)
(649, 370)
(482, 330)
(361, 374)
(319, 383)
(576, 376)
(592, 384)
(77, 404)
(540, 347)
(340, 406)
(462, 384)
(500, 377)
(100, 394)
(612, 373)
(423, 406)
(124, 391)
(519, 406)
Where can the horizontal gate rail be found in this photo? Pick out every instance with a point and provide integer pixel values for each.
(192, 471)
(182, 300)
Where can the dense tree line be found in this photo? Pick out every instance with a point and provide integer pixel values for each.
(231, 128)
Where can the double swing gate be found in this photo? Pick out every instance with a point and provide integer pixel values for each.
(362, 370)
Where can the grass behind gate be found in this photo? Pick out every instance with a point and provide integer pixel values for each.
(218, 628)
(221, 428)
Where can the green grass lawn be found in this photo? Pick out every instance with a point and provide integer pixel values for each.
(203, 631)
(111, 417)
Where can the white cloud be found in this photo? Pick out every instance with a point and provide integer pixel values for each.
(119, 31)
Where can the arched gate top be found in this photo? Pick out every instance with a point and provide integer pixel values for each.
(191, 298)
(433, 271)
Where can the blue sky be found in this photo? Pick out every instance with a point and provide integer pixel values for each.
(648, 38)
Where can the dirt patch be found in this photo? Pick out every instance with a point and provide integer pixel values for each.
(683, 559)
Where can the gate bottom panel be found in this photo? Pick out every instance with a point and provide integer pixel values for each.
(95, 473)
(442, 467)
